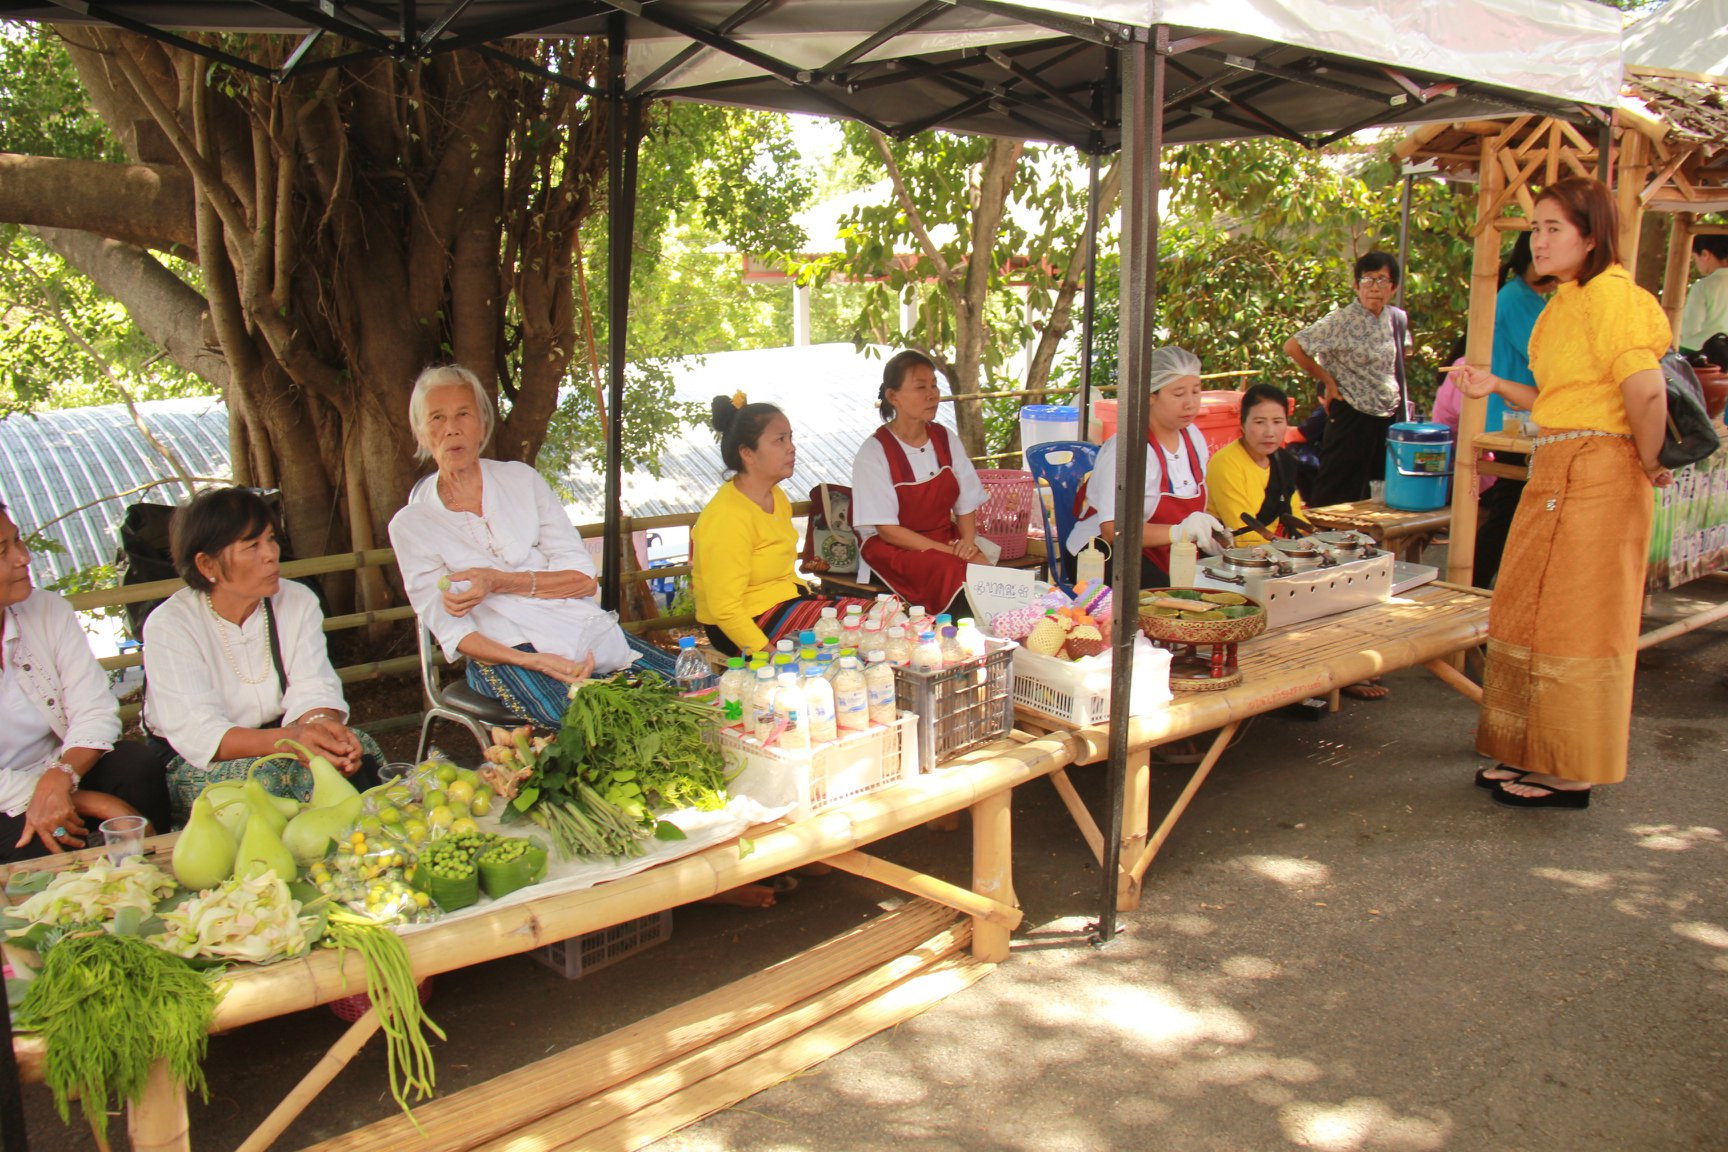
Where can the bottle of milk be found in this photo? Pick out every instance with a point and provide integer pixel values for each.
(735, 691)
(851, 697)
(819, 706)
(789, 713)
(879, 687)
(762, 703)
(927, 653)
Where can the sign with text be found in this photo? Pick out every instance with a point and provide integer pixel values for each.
(992, 591)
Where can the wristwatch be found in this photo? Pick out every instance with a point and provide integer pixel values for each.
(70, 771)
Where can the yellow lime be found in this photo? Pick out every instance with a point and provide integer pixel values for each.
(469, 776)
(390, 814)
(459, 792)
(441, 816)
(446, 772)
(417, 831)
(463, 824)
(481, 804)
(432, 799)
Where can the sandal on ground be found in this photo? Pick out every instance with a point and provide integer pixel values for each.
(781, 884)
(1483, 780)
(1366, 690)
(1550, 798)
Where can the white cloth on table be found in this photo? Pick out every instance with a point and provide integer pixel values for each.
(53, 695)
(523, 529)
(1185, 482)
(195, 688)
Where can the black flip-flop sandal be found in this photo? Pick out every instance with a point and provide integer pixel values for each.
(1554, 798)
(1483, 780)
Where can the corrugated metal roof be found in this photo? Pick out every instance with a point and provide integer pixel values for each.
(59, 460)
(828, 391)
(62, 459)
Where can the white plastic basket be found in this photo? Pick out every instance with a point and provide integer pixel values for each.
(1078, 691)
(815, 780)
(580, 955)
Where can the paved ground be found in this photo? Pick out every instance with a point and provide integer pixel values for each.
(1344, 946)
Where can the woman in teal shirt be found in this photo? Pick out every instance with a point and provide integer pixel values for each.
(1520, 301)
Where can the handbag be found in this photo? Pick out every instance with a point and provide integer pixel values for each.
(830, 544)
(1690, 436)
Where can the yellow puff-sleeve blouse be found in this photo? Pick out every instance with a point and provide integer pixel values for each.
(1587, 341)
(743, 562)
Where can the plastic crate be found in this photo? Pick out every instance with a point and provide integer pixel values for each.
(960, 707)
(1078, 691)
(1009, 495)
(819, 778)
(580, 955)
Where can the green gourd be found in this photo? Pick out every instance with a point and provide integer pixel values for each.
(309, 834)
(204, 853)
(228, 799)
(328, 784)
(261, 850)
(261, 805)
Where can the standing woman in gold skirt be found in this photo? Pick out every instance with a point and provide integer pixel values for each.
(1563, 629)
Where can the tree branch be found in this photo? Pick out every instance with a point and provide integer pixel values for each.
(145, 204)
(914, 219)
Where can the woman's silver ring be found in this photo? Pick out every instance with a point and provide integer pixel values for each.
(60, 832)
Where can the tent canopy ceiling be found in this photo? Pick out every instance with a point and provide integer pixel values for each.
(1307, 70)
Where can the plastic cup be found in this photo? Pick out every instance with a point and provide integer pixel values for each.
(124, 836)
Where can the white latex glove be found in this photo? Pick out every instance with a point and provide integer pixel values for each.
(1203, 528)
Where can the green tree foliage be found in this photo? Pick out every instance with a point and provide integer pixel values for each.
(1259, 242)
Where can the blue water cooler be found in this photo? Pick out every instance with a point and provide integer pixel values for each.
(1418, 466)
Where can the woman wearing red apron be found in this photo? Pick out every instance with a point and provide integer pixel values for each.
(1175, 500)
(914, 492)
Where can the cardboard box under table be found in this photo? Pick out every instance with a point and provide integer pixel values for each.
(1280, 666)
(631, 1087)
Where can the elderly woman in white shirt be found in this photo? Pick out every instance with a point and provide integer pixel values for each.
(61, 770)
(492, 564)
(236, 661)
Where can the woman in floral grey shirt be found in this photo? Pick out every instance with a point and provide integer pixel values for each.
(1353, 353)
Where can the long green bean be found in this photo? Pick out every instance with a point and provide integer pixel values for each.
(395, 995)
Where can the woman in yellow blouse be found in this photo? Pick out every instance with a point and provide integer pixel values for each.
(1255, 474)
(1563, 629)
(744, 548)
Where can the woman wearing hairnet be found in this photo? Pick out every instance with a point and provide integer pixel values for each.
(1176, 454)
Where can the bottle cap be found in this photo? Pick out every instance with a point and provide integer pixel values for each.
(735, 662)
(686, 641)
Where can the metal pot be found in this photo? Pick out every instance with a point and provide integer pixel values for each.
(1341, 546)
(1300, 555)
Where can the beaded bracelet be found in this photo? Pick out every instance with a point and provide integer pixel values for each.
(533, 585)
(70, 771)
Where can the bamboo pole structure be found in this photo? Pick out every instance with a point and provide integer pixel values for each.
(1677, 268)
(159, 1122)
(1453, 678)
(1681, 627)
(1478, 350)
(917, 884)
(315, 1081)
(992, 873)
(1204, 769)
(1077, 809)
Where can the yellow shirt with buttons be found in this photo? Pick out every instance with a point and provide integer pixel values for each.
(1587, 341)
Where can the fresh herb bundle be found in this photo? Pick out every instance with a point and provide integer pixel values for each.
(639, 746)
(108, 1008)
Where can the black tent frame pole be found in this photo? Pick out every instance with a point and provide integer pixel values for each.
(1088, 305)
(1143, 60)
(624, 136)
(1403, 238)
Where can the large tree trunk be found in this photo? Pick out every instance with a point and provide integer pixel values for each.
(351, 226)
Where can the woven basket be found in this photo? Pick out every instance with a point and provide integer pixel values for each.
(1009, 495)
(1169, 629)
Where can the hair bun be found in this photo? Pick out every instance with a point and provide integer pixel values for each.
(721, 413)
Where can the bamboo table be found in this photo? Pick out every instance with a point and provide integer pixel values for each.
(1282, 666)
(639, 1083)
(1404, 533)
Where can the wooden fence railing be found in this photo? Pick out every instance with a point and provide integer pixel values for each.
(637, 600)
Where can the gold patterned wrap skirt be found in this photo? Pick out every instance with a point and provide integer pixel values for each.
(1563, 628)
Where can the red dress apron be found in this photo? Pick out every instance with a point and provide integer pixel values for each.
(929, 578)
(1173, 509)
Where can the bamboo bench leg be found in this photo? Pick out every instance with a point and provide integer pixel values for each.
(1137, 872)
(158, 1122)
(992, 871)
(1136, 820)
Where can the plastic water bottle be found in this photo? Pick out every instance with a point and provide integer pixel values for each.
(828, 625)
(827, 663)
(879, 689)
(971, 638)
(736, 688)
(807, 638)
(806, 658)
(927, 653)
(916, 620)
(819, 707)
(898, 649)
(952, 653)
(851, 697)
(831, 649)
(789, 713)
(762, 703)
(691, 673)
(784, 648)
